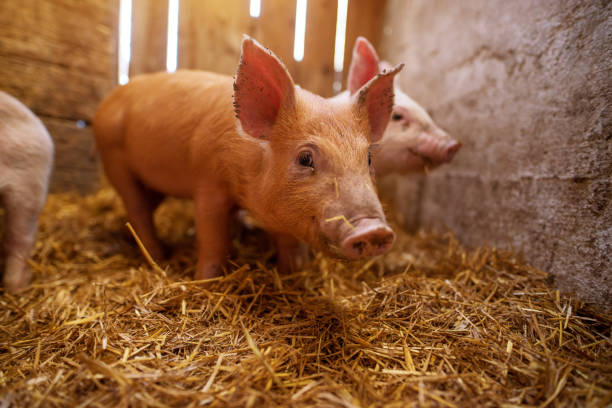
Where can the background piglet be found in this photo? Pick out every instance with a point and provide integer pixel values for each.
(412, 141)
(26, 156)
(297, 162)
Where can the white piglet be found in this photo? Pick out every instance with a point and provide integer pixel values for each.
(412, 142)
(26, 157)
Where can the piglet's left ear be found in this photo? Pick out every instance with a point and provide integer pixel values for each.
(375, 100)
(262, 89)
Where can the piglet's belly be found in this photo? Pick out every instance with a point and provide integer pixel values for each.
(165, 174)
(167, 184)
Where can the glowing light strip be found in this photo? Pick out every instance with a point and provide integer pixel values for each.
(300, 29)
(125, 40)
(171, 50)
(255, 8)
(340, 35)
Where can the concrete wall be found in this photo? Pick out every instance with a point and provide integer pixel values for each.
(526, 86)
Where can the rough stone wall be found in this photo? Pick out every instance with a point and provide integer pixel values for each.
(526, 86)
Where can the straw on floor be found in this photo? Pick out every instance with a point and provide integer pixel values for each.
(429, 324)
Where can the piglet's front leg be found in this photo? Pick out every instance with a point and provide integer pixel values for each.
(21, 219)
(292, 254)
(213, 210)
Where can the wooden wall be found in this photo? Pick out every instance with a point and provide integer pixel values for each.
(210, 33)
(149, 36)
(59, 58)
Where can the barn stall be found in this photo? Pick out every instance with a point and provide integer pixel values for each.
(495, 293)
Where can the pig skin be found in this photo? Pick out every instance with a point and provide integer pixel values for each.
(26, 157)
(294, 160)
(412, 142)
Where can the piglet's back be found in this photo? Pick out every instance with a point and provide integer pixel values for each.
(24, 142)
(142, 123)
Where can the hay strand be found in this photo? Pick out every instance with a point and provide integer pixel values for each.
(428, 324)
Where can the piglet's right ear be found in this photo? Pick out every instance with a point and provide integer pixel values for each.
(364, 65)
(262, 88)
(375, 101)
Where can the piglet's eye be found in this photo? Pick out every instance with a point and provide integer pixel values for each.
(369, 158)
(397, 117)
(305, 159)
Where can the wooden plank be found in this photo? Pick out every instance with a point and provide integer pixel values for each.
(79, 36)
(76, 164)
(316, 71)
(149, 36)
(275, 29)
(57, 56)
(53, 90)
(364, 18)
(210, 34)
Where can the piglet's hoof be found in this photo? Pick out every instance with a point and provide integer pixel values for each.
(208, 271)
(294, 259)
(18, 282)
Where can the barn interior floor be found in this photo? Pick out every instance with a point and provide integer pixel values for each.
(428, 324)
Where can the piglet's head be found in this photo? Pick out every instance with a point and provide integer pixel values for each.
(314, 176)
(412, 141)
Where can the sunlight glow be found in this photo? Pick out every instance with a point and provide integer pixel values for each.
(172, 48)
(300, 29)
(125, 40)
(340, 35)
(255, 8)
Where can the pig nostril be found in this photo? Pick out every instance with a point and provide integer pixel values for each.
(381, 241)
(371, 242)
(360, 246)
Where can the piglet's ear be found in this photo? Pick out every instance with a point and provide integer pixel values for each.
(262, 88)
(385, 66)
(364, 65)
(375, 100)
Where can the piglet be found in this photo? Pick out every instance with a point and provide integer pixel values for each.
(297, 162)
(26, 157)
(412, 141)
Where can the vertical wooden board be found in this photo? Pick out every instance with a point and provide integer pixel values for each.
(79, 37)
(275, 29)
(59, 57)
(316, 71)
(365, 18)
(149, 36)
(76, 163)
(210, 33)
(53, 90)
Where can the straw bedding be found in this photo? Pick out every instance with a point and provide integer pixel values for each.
(429, 324)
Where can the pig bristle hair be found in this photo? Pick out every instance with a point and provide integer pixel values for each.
(236, 89)
(365, 89)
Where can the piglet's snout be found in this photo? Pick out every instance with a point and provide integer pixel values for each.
(451, 149)
(437, 147)
(369, 238)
